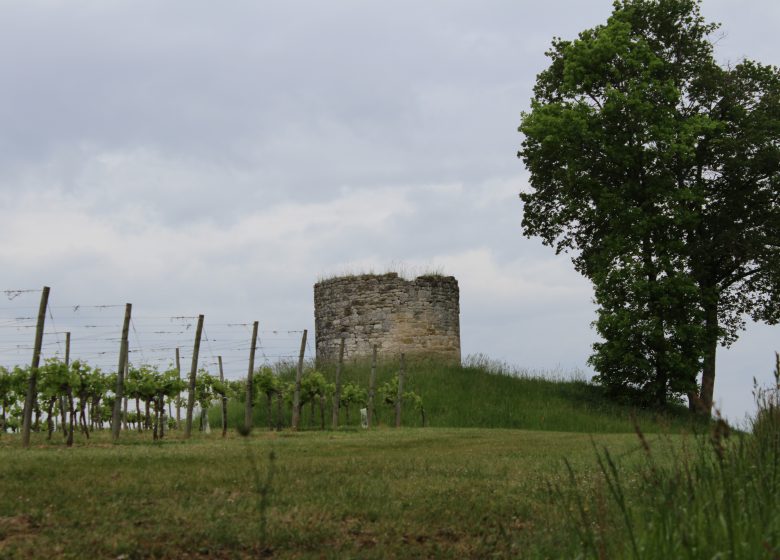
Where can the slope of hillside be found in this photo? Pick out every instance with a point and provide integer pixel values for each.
(485, 396)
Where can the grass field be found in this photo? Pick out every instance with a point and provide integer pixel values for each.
(510, 466)
(472, 493)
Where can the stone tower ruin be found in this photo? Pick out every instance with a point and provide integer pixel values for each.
(419, 317)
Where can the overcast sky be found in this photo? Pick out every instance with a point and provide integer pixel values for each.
(219, 157)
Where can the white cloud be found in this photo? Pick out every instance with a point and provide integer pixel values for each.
(198, 159)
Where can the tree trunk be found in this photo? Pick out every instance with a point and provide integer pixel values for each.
(156, 423)
(83, 417)
(97, 413)
(49, 417)
(296, 404)
(692, 399)
(72, 414)
(162, 416)
(138, 413)
(37, 423)
(270, 400)
(224, 415)
(710, 351)
(63, 416)
(663, 382)
(337, 393)
(322, 412)
(178, 396)
(279, 411)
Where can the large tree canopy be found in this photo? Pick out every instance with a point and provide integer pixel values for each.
(659, 170)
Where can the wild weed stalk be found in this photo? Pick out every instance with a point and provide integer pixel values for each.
(715, 499)
(262, 487)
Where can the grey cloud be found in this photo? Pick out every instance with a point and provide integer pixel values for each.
(217, 158)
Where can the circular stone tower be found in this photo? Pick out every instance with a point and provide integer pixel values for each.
(418, 317)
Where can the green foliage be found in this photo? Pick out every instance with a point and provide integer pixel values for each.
(660, 171)
(204, 388)
(91, 392)
(12, 385)
(388, 393)
(314, 386)
(235, 389)
(353, 394)
(266, 382)
(8, 398)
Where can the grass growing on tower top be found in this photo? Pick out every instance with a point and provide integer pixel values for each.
(400, 270)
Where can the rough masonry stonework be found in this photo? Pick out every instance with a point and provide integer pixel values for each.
(418, 317)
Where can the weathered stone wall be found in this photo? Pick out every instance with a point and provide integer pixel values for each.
(417, 317)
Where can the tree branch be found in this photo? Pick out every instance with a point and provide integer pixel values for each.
(736, 278)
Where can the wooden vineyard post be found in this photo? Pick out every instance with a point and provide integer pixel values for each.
(371, 387)
(116, 417)
(224, 398)
(279, 399)
(248, 421)
(296, 412)
(161, 415)
(399, 400)
(71, 410)
(32, 388)
(178, 398)
(193, 378)
(62, 398)
(124, 400)
(337, 394)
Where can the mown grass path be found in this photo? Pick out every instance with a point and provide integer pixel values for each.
(385, 493)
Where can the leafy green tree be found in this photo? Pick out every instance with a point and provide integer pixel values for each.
(388, 394)
(416, 402)
(145, 377)
(167, 385)
(133, 392)
(205, 393)
(147, 384)
(352, 394)
(52, 379)
(235, 389)
(82, 378)
(7, 396)
(660, 171)
(268, 384)
(99, 384)
(314, 390)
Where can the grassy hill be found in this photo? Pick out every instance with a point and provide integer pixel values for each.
(458, 489)
(487, 395)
